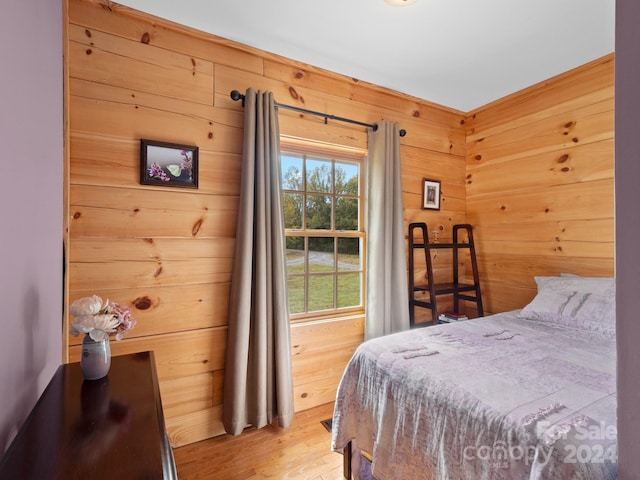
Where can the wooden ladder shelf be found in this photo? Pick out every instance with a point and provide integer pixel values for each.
(460, 291)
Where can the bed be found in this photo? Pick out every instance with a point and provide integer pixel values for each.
(527, 394)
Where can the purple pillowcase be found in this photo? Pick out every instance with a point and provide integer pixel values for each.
(587, 303)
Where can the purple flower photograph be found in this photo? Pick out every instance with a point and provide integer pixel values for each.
(168, 164)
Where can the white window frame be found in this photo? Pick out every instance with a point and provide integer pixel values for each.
(334, 154)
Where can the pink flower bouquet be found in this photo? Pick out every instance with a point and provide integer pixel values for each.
(99, 320)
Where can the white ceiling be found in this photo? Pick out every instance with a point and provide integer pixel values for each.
(458, 53)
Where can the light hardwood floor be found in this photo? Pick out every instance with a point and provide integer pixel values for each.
(300, 452)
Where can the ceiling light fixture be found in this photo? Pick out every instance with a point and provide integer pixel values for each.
(400, 3)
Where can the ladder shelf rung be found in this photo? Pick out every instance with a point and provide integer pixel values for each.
(422, 303)
(441, 245)
(445, 288)
(449, 245)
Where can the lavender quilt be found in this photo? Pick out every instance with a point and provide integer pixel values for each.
(500, 397)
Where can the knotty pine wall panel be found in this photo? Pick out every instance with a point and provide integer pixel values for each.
(119, 62)
(195, 306)
(582, 86)
(124, 118)
(167, 252)
(178, 354)
(320, 351)
(443, 130)
(189, 394)
(111, 161)
(112, 18)
(540, 188)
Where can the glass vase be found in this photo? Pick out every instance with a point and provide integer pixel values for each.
(96, 358)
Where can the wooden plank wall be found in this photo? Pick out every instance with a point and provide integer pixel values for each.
(168, 252)
(540, 183)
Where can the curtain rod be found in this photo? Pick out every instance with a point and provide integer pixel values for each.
(236, 95)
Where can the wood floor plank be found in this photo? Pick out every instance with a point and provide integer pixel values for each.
(300, 452)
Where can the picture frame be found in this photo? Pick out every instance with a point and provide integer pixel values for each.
(430, 194)
(168, 164)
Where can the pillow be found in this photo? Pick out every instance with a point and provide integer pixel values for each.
(587, 303)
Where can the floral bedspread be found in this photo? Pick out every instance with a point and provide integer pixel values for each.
(499, 397)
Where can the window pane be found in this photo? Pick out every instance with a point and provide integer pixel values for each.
(320, 292)
(319, 176)
(318, 212)
(291, 167)
(295, 255)
(296, 294)
(346, 213)
(346, 178)
(348, 254)
(349, 290)
(292, 210)
(321, 254)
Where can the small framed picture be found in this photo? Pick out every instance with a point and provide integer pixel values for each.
(430, 194)
(168, 164)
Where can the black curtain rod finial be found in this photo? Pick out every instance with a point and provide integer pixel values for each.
(236, 95)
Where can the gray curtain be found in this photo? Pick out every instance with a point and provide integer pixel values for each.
(258, 385)
(387, 289)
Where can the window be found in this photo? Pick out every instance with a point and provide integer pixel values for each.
(322, 208)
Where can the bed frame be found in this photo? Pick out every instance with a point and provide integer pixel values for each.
(346, 462)
(347, 452)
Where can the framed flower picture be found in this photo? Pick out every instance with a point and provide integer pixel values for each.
(168, 164)
(430, 194)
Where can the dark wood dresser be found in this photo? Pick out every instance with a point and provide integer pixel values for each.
(112, 428)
